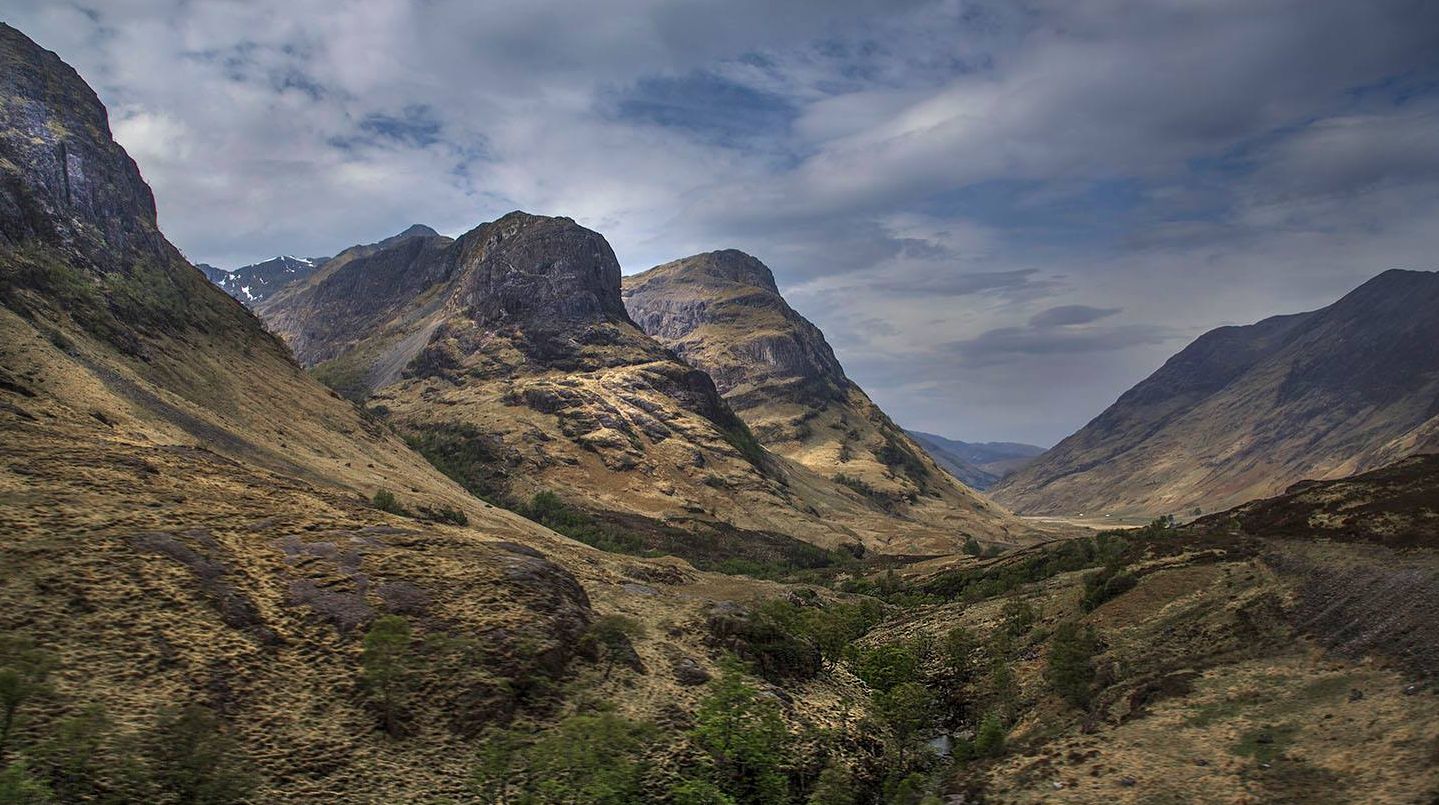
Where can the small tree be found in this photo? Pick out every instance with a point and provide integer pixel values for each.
(495, 768)
(883, 667)
(1070, 668)
(989, 738)
(71, 756)
(908, 708)
(385, 663)
(24, 674)
(195, 761)
(745, 739)
(957, 651)
(971, 546)
(1018, 616)
(1002, 686)
(19, 787)
(596, 758)
(834, 786)
(612, 634)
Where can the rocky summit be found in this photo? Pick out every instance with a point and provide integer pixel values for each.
(1243, 412)
(723, 313)
(508, 355)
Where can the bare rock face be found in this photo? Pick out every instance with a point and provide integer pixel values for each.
(772, 351)
(1243, 412)
(722, 312)
(63, 180)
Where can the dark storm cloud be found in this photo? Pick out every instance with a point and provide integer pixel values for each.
(1011, 186)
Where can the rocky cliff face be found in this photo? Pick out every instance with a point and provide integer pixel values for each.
(723, 313)
(1244, 412)
(64, 182)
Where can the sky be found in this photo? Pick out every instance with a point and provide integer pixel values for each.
(1002, 214)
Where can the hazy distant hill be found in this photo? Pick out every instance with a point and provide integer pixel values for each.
(1243, 412)
(979, 464)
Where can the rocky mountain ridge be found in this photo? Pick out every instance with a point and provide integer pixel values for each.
(514, 341)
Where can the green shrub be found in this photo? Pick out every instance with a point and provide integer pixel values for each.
(24, 676)
(1104, 585)
(385, 501)
(595, 758)
(612, 634)
(19, 787)
(466, 455)
(989, 738)
(1018, 616)
(548, 510)
(195, 761)
(445, 514)
(886, 666)
(835, 786)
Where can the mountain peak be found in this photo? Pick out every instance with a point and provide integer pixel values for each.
(725, 265)
(417, 231)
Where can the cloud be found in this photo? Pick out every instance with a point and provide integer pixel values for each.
(1006, 342)
(1069, 315)
(1001, 184)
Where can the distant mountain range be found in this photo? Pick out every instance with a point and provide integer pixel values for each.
(1243, 412)
(258, 282)
(979, 464)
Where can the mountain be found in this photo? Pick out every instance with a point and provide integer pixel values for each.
(191, 537)
(1243, 412)
(212, 273)
(254, 283)
(979, 464)
(207, 595)
(722, 312)
(509, 357)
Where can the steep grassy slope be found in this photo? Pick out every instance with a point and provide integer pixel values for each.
(508, 357)
(1237, 659)
(1243, 412)
(722, 312)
